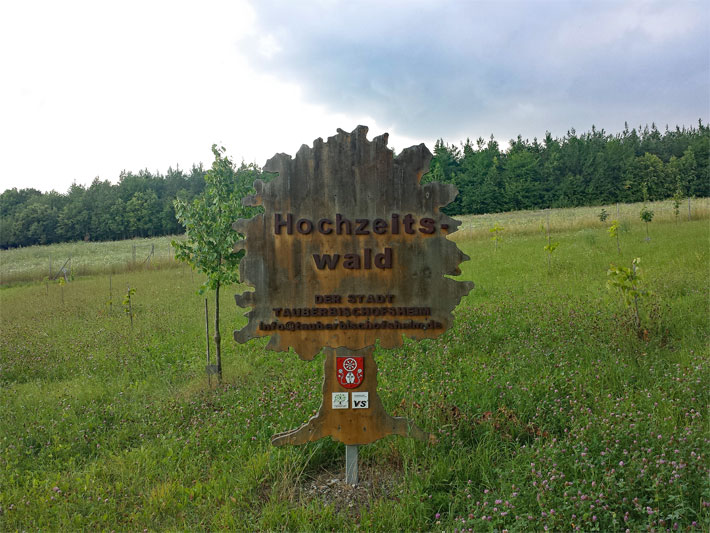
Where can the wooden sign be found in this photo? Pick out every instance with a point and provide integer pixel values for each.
(351, 249)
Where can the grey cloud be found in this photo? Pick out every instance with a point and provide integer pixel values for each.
(467, 69)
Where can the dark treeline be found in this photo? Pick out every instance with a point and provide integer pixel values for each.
(593, 168)
(139, 205)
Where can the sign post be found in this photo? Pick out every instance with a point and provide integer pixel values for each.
(351, 451)
(351, 250)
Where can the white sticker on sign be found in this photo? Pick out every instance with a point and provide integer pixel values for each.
(360, 400)
(340, 400)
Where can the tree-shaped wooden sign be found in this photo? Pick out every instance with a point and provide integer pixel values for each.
(351, 249)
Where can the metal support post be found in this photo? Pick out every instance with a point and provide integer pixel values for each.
(351, 464)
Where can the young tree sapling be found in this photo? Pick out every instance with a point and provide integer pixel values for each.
(208, 219)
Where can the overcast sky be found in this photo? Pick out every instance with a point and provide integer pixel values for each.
(91, 88)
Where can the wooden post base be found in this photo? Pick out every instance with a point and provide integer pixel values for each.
(351, 426)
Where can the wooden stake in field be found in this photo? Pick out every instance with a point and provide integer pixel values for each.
(550, 246)
(217, 337)
(209, 368)
(207, 342)
(127, 303)
(130, 309)
(549, 243)
(147, 260)
(62, 270)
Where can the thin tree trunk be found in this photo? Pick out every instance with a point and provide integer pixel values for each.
(636, 301)
(217, 338)
(207, 335)
(549, 251)
(637, 316)
(130, 309)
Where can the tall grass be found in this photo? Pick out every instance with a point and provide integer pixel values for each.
(85, 258)
(564, 219)
(90, 258)
(550, 410)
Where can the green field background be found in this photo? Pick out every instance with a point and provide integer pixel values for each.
(550, 409)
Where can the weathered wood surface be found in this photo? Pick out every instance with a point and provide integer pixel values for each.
(349, 199)
(351, 426)
(358, 180)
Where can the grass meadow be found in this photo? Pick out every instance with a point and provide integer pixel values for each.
(34, 263)
(551, 410)
(579, 218)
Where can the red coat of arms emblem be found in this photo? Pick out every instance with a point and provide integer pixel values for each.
(350, 371)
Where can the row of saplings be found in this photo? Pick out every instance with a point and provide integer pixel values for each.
(628, 281)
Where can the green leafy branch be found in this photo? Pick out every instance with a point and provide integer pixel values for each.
(496, 231)
(613, 232)
(630, 283)
(551, 247)
(127, 307)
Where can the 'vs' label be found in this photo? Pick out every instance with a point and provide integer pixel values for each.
(360, 400)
